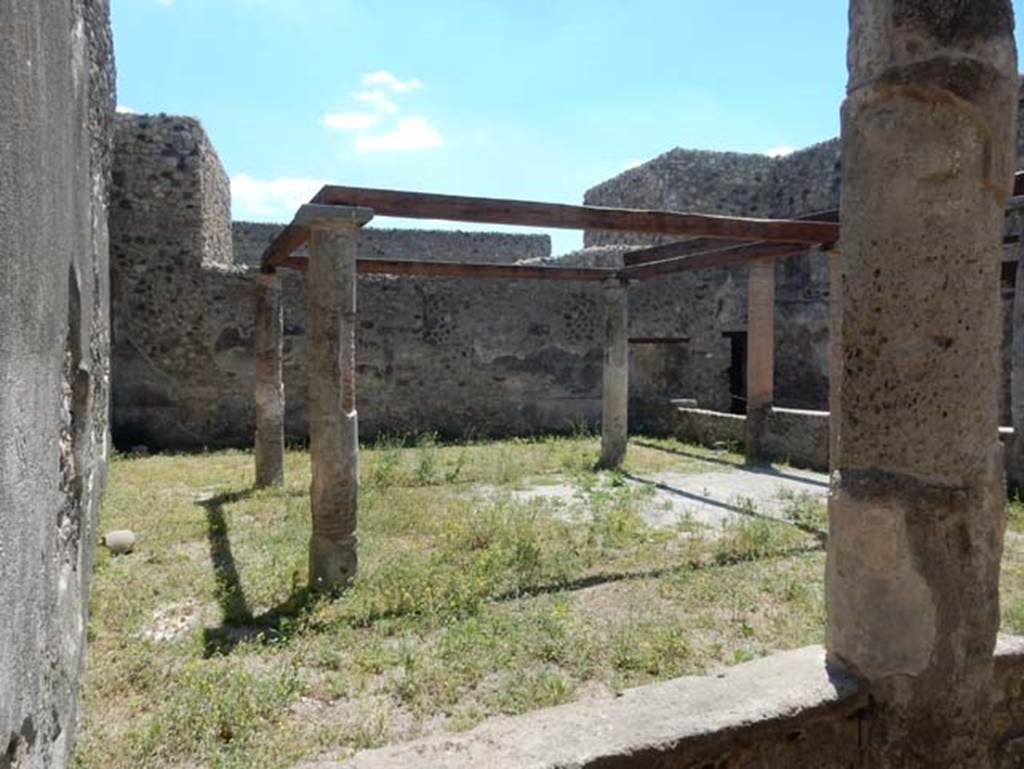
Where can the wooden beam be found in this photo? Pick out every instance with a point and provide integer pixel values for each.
(421, 205)
(697, 245)
(468, 270)
(288, 240)
(719, 257)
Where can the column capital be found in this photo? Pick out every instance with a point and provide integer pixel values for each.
(317, 216)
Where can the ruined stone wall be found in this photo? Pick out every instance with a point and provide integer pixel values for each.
(170, 220)
(706, 305)
(56, 101)
(754, 185)
(250, 239)
(453, 356)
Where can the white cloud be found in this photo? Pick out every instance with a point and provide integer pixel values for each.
(381, 127)
(270, 198)
(779, 152)
(413, 133)
(123, 110)
(633, 164)
(377, 99)
(384, 78)
(350, 121)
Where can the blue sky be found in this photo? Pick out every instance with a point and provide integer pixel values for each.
(533, 99)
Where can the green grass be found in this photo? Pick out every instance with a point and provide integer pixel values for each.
(471, 601)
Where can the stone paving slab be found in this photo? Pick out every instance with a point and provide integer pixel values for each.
(711, 499)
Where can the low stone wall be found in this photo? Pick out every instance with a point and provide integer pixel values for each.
(708, 428)
(250, 239)
(795, 436)
(788, 710)
(798, 437)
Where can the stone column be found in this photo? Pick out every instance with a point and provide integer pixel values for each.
(333, 425)
(1015, 462)
(269, 384)
(760, 354)
(835, 348)
(916, 512)
(615, 392)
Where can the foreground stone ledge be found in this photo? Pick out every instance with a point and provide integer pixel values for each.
(786, 710)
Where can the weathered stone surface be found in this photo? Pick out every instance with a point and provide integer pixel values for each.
(782, 711)
(269, 395)
(333, 421)
(760, 355)
(188, 385)
(56, 103)
(794, 436)
(742, 185)
(788, 710)
(119, 542)
(615, 389)
(798, 436)
(916, 516)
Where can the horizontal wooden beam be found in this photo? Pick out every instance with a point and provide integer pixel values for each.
(278, 253)
(720, 257)
(698, 245)
(467, 270)
(457, 208)
(707, 232)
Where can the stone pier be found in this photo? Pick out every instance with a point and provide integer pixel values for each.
(916, 514)
(269, 449)
(835, 347)
(615, 392)
(760, 354)
(1015, 460)
(333, 424)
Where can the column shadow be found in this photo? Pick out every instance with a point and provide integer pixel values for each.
(238, 623)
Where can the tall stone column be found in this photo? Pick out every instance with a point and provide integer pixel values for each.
(1015, 462)
(333, 424)
(269, 448)
(835, 351)
(916, 512)
(615, 391)
(760, 354)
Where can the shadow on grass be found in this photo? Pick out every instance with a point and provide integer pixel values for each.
(741, 466)
(238, 624)
(817, 533)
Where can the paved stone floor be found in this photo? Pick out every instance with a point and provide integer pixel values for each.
(710, 499)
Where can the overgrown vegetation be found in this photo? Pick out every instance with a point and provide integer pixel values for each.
(473, 599)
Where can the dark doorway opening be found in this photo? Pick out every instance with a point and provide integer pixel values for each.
(737, 371)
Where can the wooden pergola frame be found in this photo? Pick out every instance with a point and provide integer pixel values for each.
(328, 225)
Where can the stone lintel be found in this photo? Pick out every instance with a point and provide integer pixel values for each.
(316, 216)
